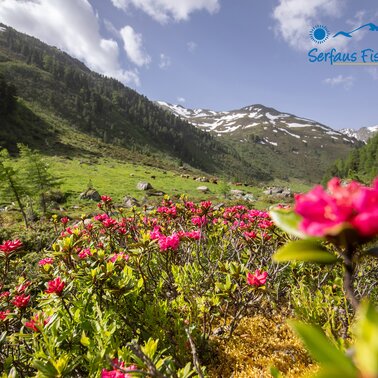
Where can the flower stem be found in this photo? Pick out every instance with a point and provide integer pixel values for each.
(348, 278)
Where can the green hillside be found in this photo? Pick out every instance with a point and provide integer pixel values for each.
(361, 164)
(61, 98)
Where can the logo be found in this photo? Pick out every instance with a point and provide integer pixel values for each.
(371, 26)
(320, 34)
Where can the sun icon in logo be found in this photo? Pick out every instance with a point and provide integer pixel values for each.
(319, 33)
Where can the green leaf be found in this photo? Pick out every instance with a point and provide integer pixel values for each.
(366, 345)
(46, 368)
(85, 340)
(288, 221)
(305, 250)
(322, 350)
(3, 337)
(275, 372)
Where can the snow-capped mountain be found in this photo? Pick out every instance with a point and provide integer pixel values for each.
(362, 134)
(282, 143)
(266, 122)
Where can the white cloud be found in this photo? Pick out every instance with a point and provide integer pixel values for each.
(165, 61)
(295, 18)
(164, 11)
(72, 26)
(133, 45)
(182, 100)
(340, 80)
(192, 46)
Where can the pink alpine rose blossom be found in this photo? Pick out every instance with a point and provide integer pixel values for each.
(21, 301)
(257, 279)
(169, 242)
(55, 286)
(10, 245)
(46, 261)
(327, 213)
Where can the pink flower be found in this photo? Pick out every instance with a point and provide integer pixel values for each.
(341, 206)
(250, 235)
(64, 220)
(55, 286)
(155, 233)
(116, 373)
(195, 235)
(109, 222)
(106, 199)
(199, 221)
(169, 242)
(46, 261)
(84, 253)
(10, 245)
(4, 314)
(21, 301)
(4, 295)
(257, 279)
(121, 255)
(36, 323)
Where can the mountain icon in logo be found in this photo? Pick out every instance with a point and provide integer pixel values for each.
(371, 26)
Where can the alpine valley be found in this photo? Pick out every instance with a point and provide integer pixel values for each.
(65, 109)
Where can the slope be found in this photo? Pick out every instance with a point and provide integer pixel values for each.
(70, 99)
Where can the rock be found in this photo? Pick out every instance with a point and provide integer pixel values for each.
(277, 191)
(214, 181)
(203, 189)
(129, 202)
(202, 179)
(91, 194)
(143, 185)
(286, 193)
(218, 206)
(87, 221)
(236, 193)
(248, 197)
(154, 192)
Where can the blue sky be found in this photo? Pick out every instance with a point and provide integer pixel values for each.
(218, 54)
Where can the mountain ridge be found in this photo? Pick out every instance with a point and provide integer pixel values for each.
(290, 145)
(363, 134)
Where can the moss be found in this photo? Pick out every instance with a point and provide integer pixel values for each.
(258, 343)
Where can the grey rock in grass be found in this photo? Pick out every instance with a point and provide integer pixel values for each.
(129, 202)
(144, 185)
(203, 189)
(91, 194)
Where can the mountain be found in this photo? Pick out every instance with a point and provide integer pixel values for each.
(363, 134)
(62, 102)
(288, 145)
(64, 108)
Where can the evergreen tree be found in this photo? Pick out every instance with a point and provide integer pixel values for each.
(40, 178)
(13, 188)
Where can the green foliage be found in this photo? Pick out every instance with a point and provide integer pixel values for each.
(7, 97)
(361, 164)
(40, 180)
(305, 250)
(333, 361)
(12, 183)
